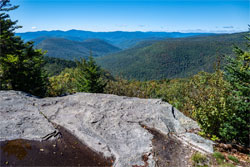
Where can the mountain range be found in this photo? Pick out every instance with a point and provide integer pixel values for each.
(171, 58)
(70, 50)
(139, 55)
(120, 39)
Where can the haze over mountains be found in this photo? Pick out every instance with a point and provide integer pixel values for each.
(70, 50)
(139, 55)
(121, 39)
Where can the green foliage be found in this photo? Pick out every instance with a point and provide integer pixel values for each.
(62, 84)
(199, 160)
(237, 73)
(233, 158)
(128, 88)
(214, 138)
(54, 66)
(66, 82)
(203, 97)
(70, 50)
(20, 64)
(206, 101)
(219, 157)
(227, 165)
(88, 76)
(168, 90)
(170, 58)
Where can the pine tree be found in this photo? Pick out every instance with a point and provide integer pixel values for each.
(237, 73)
(88, 76)
(20, 64)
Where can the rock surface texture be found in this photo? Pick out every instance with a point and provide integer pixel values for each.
(113, 125)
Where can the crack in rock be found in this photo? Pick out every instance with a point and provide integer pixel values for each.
(108, 124)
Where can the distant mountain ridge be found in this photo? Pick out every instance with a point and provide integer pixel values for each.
(170, 58)
(70, 50)
(121, 39)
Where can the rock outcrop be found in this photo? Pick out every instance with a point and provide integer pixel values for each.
(112, 125)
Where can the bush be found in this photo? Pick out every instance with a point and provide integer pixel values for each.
(220, 102)
(199, 160)
(219, 157)
(206, 101)
(62, 84)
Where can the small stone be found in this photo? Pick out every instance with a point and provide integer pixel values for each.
(7, 162)
(41, 149)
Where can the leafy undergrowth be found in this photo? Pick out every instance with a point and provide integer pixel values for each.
(233, 157)
(200, 160)
(221, 159)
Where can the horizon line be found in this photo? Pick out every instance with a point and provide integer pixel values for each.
(181, 31)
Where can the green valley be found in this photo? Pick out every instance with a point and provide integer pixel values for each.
(171, 58)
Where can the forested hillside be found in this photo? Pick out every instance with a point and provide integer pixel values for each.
(55, 66)
(70, 50)
(171, 58)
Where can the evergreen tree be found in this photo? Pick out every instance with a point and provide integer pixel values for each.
(20, 64)
(88, 76)
(237, 73)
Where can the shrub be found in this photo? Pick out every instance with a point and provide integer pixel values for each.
(199, 160)
(220, 102)
(219, 157)
(62, 84)
(206, 101)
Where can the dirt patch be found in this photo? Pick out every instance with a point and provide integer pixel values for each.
(65, 151)
(168, 151)
(229, 150)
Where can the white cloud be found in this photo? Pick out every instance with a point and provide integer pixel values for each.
(33, 28)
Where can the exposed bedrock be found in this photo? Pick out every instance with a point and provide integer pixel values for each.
(112, 125)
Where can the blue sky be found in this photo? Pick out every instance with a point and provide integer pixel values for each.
(133, 15)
